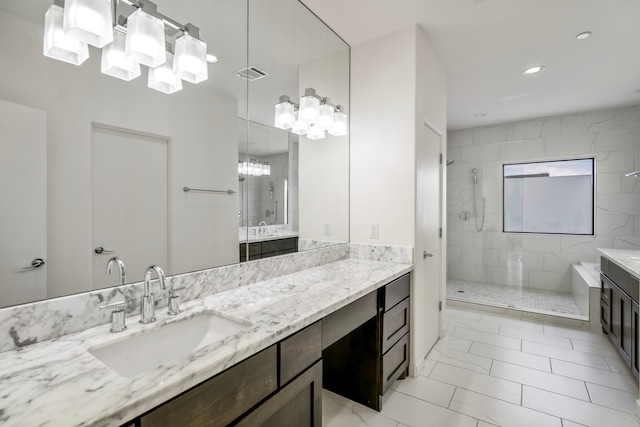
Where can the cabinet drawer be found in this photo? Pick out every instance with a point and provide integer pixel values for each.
(223, 398)
(279, 245)
(395, 362)
(395, 324)
(341, 322)
(625, 281)
(300, 351)
(395, 292)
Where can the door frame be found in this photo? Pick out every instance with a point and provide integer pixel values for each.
(442, 247)
(169, 141)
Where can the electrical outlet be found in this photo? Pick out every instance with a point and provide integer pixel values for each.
(327, 229)
(373, 231)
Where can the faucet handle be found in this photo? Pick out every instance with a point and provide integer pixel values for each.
(173, 308)
(117, 316)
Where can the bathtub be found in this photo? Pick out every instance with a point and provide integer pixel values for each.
(585, 289)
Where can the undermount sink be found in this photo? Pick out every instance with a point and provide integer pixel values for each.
(144, 352)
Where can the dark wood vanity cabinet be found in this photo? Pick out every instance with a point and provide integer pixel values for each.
(619, 310)
(279, 386)
(268, 248)
(363, 363)
(357, 351)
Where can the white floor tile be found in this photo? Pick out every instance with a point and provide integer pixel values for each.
(427, 366)
(498, 412)
(460, 359)
(594, 375)
(546, 381)
(480, 383)
(475, 325)
(485, 424)
(493, 339)
(418, 413)
(605, 349)
(567, 355)
(427, 389)
(612, 398)
(567, 423)
(580, 334)
(340, 412)
(454, 343)
(511, 356)
(575, 410)
(616, 364)
(463, 314)
(514, 323)
(534, 336)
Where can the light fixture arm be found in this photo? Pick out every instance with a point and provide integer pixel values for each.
(151, 8)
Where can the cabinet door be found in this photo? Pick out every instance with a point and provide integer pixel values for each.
(223, 398)
(616, 316)
(635, 322)
(297, 404)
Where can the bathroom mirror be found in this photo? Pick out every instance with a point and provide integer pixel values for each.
(94, 167)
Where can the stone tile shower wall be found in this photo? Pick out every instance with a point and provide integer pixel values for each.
(612, 137)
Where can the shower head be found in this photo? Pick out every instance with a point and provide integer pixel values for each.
(271, 185)
(474, 170)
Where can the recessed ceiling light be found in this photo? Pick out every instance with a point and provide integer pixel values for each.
(583, 35)
(211, 59)
(534, 70)
(480, 114)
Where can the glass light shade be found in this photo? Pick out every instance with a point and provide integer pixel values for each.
(299, 127)
(309, 109)
(339, 125)
(57, 44)
(190, 59)
(145, 39)
(162, 78)
(325, 119)
(240, 168)
(257, 169)
(284, 115)
(266, 169)
(245, 168)
(114, 61)
(90, 21)
(314, 133)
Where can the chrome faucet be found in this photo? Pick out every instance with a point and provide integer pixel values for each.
(121, 269)
(260, 229)
(147, 303)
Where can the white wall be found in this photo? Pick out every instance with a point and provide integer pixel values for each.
(536, 260)
(323, 169)
(397, 83)
(201, 125)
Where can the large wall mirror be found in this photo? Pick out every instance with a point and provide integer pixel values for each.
(93, 167)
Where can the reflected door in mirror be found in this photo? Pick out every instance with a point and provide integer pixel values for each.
(130, 203)
(23, 212)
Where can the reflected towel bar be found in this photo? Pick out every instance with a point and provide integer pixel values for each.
(187, 189)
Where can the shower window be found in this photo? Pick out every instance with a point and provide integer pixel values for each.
(555, 197)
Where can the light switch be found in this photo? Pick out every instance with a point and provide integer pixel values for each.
(327, 229)
(373, 231)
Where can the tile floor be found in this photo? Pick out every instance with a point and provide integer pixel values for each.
(540, 300)
(495, 370)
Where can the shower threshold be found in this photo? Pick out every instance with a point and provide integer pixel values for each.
(532, 300)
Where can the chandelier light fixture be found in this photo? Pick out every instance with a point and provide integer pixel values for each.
(314, 116)
(254, 168)
(131, 33)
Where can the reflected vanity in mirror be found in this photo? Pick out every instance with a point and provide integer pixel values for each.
(93, 167)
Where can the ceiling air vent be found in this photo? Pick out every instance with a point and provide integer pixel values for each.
(251, 73)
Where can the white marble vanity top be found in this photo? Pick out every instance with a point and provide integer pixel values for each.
(625, 258)
(271, 236)
(58, 382)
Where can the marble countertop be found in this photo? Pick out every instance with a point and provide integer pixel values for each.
(272, 236)
(58, 382)
(625, 258)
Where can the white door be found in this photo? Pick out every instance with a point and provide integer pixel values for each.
(23, 207)
(130, 203)
(428, 242)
